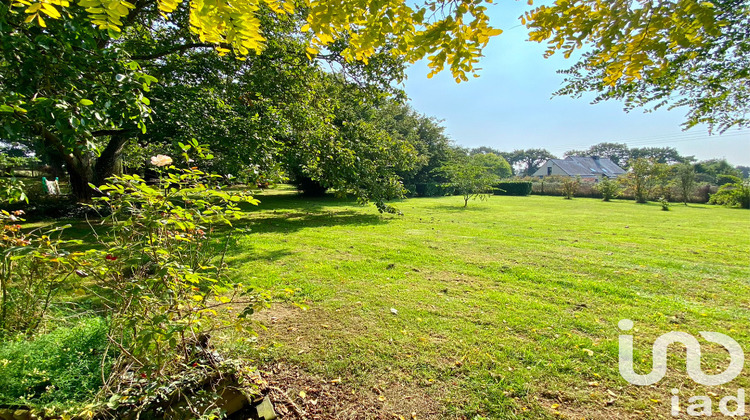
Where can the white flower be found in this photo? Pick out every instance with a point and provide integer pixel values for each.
(161, 160)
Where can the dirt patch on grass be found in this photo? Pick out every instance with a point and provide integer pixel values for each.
(573, 410)
(297, 394)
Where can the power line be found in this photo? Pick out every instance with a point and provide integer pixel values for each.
(668, 138)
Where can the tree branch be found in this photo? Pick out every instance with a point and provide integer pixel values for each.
(113, 132)
(52, 140)
(172, 50)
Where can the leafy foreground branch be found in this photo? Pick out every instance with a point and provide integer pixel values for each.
(159, 277)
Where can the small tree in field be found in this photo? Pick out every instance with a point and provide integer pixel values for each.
(608, 188)
(469, 178)
(685, 180)
(570, 187)
(643, 177)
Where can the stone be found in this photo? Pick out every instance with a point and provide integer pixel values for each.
(264, 410)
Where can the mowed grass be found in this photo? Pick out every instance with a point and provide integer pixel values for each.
(506, 309)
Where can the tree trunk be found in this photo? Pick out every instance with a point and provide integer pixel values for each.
(79, 185)
(108, 162)
(104, 167)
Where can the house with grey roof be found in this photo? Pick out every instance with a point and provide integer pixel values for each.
(591, 168)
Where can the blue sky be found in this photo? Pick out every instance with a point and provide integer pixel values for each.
(511, 106)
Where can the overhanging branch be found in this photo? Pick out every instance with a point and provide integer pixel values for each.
(172, 50)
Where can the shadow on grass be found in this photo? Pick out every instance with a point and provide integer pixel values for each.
(283, 213)
(241, 255)
(459, 206)
(296, 201)
(286, 222)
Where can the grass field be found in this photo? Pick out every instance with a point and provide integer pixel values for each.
(506, 309)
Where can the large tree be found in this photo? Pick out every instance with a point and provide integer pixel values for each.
(530, 160)
(692, 54)
(667, 155)
(63, 85)
(80, 77)
(711, 170)
(622, 155)
(93, 94)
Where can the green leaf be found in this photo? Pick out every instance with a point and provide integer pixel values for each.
(86, 102)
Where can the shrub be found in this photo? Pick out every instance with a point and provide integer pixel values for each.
(35, 267)
(608, 188)
(161, 272)
(158, 272)
(570, 187)
(585, 189)
(61, 368)
(734, 194)
(12, 191)
(429, 189)
(664, 203)
(520, 188)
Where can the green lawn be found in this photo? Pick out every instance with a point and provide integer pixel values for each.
(506, 309)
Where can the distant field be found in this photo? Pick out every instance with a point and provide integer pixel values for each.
(506, 309)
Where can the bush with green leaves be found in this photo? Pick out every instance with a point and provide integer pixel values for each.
(12, 191)
(608, 188)
(733, 194)
(664, 203)
(157, 270)
(36, 267)
(160, 271)
(644, 178)
(570, 186)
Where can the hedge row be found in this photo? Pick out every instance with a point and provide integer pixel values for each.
(701, 193)
(512, 188)
(426, 189)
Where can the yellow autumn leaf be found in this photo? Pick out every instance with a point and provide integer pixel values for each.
(33, 8)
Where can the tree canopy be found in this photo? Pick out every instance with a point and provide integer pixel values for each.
(622, 155)
(452, 34)
(89, 97)
(676, 53)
